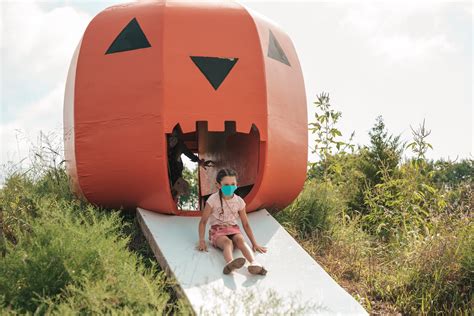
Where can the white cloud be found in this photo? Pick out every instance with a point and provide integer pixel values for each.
(401, 48)
(40, 41)
(36, 48)
(401, 32)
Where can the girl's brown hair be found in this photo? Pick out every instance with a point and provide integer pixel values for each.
(226, 172)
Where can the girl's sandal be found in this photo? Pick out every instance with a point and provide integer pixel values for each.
(234, 264)
(257, 269)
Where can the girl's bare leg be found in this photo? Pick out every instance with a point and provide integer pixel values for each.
(226, 245)
(242, 245)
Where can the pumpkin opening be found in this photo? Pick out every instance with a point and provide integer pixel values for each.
(226, 149)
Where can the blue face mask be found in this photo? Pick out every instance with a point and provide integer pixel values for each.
(228, 190)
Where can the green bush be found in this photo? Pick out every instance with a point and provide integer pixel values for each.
(20, 195)
(345, 173)
(382, 155)
(313, 210)
(77, 259)
(402, 204)
(452, 174)
(17, 207)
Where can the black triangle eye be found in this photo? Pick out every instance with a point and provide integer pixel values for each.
(215, 69)
(131, 37)
(275, 51)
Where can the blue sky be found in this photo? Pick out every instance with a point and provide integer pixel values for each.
(404, 60)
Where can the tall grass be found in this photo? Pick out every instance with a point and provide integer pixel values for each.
(77, 259)
(425, 271)
(61, 255)
(314, 211)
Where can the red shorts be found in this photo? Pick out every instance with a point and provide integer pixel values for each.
(220, 230)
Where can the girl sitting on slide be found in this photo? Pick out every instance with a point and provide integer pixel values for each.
(223, 208)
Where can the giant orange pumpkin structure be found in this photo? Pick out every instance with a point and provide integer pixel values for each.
(227, 77)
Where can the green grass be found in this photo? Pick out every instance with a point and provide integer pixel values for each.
(62, 255)
(422, 272)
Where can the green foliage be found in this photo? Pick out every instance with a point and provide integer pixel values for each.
(420, 145)
(20, 196)
(460, 199)
(190, 201)
(402, 204)
(452, 174)
(354, 172)
(415, 270)
(313, 211)
(404, 236)
(345, 172)
(327, 142)
(406, 197)
(16, 206)
(75, 257)
(382, 155)
(433, 273)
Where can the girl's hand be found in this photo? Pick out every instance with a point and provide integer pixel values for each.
(256, 247)
(202, 246)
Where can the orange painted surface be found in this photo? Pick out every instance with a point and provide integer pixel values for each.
(118, 107)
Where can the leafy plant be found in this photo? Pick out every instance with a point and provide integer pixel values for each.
(327, 140)
(420, 145)
(313, 211)
(191, 200)
(382, 155)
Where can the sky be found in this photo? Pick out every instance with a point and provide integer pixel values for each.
(408, 61)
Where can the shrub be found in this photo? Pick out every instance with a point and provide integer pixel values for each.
(453, 174)
(77, 259)
(313, 210)
(383, 154)
(402, 204)
(345, 172)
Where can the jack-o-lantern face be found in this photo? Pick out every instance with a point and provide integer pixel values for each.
(228, 78)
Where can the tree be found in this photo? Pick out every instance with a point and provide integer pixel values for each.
(382, 155)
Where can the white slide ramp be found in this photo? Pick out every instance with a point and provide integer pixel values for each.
(295, 282)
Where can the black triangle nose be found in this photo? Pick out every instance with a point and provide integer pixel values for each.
(215, 69)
